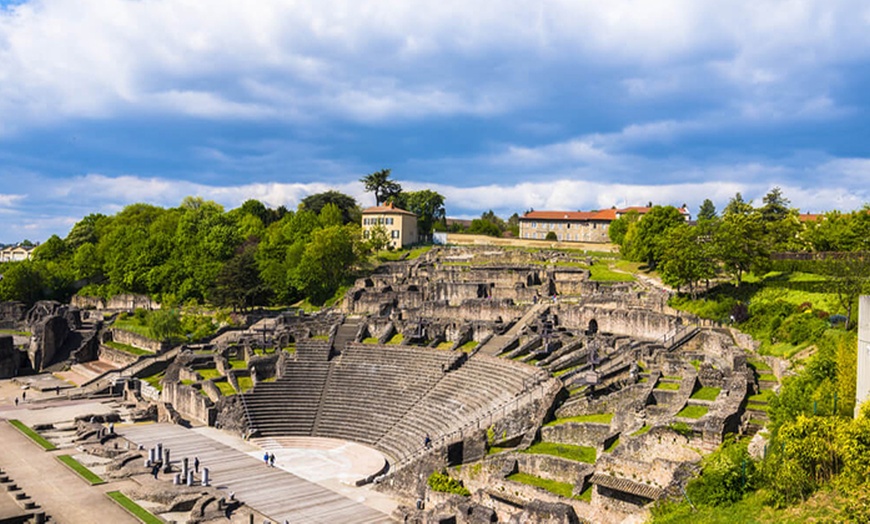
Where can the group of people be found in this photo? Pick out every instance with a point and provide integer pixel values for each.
(269, 459)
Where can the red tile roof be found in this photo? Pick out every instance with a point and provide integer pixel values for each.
(387, 209)
(607, 215)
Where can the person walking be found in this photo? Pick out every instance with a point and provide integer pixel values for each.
(196, 464)
(266, 458)
(272, 460)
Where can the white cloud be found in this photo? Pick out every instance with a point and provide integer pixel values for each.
(371, 61)
(10, 200)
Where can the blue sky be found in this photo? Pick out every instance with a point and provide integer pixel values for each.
(497, 105)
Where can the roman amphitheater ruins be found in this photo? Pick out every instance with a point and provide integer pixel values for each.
(492, 366)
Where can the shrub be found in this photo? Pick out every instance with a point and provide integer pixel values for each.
(799, 328)
(551, 236)
(727, 474)
(444, 483)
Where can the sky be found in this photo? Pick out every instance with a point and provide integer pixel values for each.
(502, 105)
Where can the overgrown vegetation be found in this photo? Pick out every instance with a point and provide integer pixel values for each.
(441, 481)
(563, 489)
(598, 418)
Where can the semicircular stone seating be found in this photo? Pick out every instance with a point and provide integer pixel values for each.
(389, 397)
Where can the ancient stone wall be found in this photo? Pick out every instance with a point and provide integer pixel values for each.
(189, 402)
(122, 336)
(637, 323)
(124, 302)
(119, 358)
(11, 314)
(554, 468)
(478, 309)
(577, 433)
(10, 357)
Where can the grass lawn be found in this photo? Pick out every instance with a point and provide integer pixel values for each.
(706, 393)
(642, 430)
(320, 337)
(757, 407)
(370, 340)
(444, 345)
(598, 418)
(238, 364)
(134, 509)
(208, 374)
(126, 348)
(670, 386)
(767, 377)
(13, 332)
(245, 383)
(225, 388)
(566, 451)
(692, 411)
(397, 255)
(32, 435)
(81, 470)
(133, 326)
(612, 446)
(468, 346)
(586, 495)
(602, 273)
(563, 489)
(671, 377)
(566, 370)
(396, 340)
(154, 380)
(290, 349)
(759, 365)
(764, 396)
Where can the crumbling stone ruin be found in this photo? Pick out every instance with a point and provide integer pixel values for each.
(513, 364)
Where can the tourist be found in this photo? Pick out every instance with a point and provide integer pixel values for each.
(266, 458)
(155, 469)
(427, 442)
(196, 464)
(272, 460)
(16, 401)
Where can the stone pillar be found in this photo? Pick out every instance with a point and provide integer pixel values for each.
(177, 479)
(159, 449)
(184, 467)
(862, 386)
(190, 478)
(152, 458)
(166, 467)
(205, 476)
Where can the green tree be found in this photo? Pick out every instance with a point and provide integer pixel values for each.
(646, 243)
(686, 258)
(428, 206)
(739, 243)
(326, 261)
(551, 235)
(350, 211)
(22, 281)
(238, 283)
(330, 215)
(847, 275)
(776, 206)
(52, 249)
(379, 184)
(707, 211)
(738, 206)
(480, 226)
(164, 323)
(619, 227)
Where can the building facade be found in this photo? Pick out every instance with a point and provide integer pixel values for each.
(399, 225)
(576, 226)
(15, 253)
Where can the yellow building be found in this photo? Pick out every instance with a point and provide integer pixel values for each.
(399, 225)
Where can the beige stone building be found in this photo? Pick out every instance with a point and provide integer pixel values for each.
(400, 225)
(15, 253)
(576, 226)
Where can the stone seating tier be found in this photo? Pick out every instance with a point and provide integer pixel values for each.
(389, 397)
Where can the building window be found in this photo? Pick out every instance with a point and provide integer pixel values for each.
(394, 233)
(535, 225)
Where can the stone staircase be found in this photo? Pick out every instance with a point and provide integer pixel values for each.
(496, 344)
(346, 333)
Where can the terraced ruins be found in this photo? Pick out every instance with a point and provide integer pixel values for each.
(544, 391)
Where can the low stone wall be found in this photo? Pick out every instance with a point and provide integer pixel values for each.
(577, 434)
(478, 309)
(116, 303)
(133, 339)
(554, 468)
(11, 314)
(117, 357)
(190, 403)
